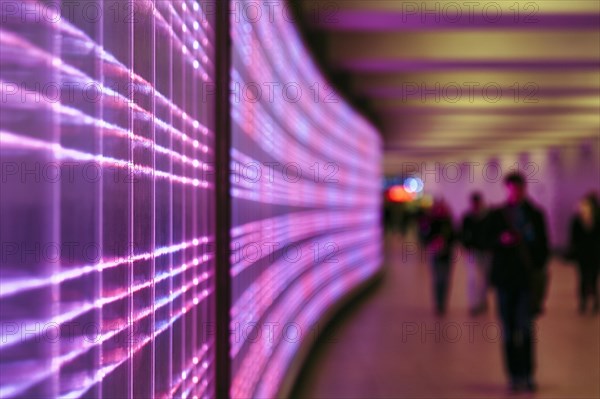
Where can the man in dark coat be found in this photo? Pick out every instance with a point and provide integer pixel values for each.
(516, 235)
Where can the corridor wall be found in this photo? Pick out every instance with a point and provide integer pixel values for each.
(305, 178)
(107, 215)
(108, 146)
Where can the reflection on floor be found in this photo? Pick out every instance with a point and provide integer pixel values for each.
(390, 345)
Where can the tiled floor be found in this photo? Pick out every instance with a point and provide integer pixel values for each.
(390, 345)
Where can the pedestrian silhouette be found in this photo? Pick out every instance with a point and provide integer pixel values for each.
(516, 234)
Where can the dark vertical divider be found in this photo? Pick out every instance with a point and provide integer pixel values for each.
(223, 199)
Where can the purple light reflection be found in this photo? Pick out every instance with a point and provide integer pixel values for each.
(300, 243)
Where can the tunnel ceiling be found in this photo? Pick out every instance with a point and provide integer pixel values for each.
(453, 77)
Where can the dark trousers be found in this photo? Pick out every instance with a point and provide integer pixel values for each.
(441, 282)
(588, 281)
(539, 285)
(514, 306)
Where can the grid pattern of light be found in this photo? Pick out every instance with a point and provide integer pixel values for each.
(107, 263)
(305, 170)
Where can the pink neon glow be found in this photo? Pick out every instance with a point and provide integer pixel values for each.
(108, 230)
(114, 105)
(299, 243)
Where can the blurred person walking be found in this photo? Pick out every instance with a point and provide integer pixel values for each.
(585, 249)
(438, 235)
(478, 265)
(516, 234)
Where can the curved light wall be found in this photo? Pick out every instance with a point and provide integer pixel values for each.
(305, 178)
(108, 147)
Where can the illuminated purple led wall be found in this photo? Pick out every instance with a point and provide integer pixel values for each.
(107, 268)
(108, 154)
(305, 173)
